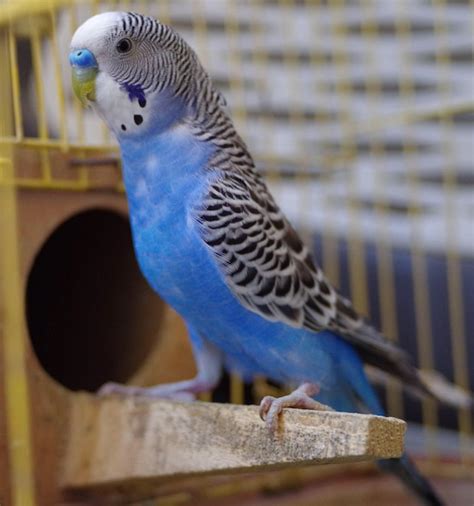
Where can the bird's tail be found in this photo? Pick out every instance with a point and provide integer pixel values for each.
(406, 471)
(430, 383)
(440, 388)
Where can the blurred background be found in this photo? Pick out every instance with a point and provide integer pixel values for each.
(359, 112)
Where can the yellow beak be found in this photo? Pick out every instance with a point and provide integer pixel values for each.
(83, 83)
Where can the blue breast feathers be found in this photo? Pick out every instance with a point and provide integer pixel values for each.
(166, 178)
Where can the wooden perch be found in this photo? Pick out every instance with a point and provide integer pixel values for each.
(116, 440)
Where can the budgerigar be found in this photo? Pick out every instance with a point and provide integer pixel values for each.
(210, 239)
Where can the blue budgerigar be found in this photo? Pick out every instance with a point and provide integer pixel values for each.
(213, 243)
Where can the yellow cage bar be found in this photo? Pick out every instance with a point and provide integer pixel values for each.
(13, 354)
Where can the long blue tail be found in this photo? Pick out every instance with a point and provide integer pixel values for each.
(406, 471)
(356, 391)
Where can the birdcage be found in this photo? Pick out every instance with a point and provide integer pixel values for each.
(358, 112)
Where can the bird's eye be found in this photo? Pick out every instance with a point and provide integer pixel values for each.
(124, 45)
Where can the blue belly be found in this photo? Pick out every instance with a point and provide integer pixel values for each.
(178, 265)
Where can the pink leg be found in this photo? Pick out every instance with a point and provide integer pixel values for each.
(271, 407)
(209, 366)
(180, 391)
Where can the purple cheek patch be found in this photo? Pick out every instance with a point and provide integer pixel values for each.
(134, 91)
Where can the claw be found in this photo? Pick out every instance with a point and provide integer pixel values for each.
(271, 407)
(265, 405)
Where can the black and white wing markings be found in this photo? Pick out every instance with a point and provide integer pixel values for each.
(268, 268)
(262, 258)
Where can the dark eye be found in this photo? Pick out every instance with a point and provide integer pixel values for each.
(124, 45)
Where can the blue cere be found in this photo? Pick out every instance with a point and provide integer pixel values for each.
(82, 58)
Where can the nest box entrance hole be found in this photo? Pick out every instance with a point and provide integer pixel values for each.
(91, 315)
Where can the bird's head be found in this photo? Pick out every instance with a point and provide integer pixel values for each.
(138, 73)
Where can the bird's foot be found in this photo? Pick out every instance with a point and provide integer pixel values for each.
(180, 391)
(271, 407)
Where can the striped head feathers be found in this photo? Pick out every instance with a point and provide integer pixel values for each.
(139, 74)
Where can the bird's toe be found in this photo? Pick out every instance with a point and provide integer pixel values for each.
(111, 388)
(265, 405)
(273, 415)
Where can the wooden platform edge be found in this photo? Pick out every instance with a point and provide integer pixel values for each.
(117, 440)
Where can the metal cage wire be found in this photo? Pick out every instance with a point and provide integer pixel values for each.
(352, 109)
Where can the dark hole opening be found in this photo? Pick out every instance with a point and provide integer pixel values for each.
(91, 315)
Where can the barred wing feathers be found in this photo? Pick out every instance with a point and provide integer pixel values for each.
(269, 269)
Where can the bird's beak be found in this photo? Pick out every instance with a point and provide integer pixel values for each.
(84, 71)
